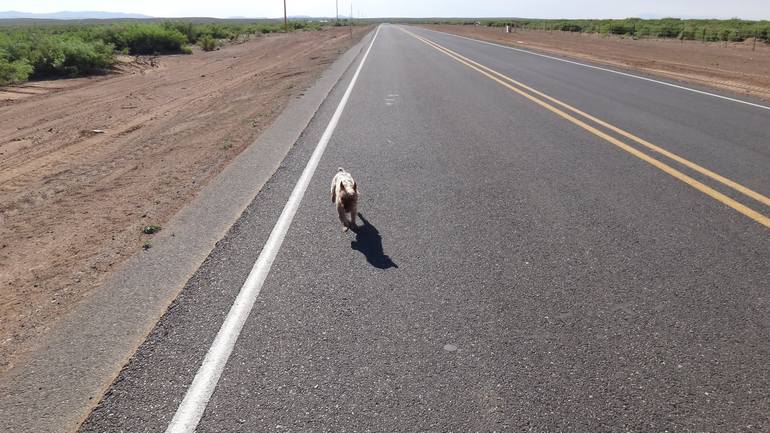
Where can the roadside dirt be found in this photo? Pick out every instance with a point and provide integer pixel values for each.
(86, 163)
(732, 66)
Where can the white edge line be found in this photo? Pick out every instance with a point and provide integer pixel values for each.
(197, 397)
(606, 70)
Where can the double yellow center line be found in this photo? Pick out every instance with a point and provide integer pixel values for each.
(543, 100)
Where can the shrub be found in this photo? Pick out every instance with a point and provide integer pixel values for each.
(13, 72)
(80, 58)
(190, 31)
(207, 43)
(297, 25)
(269, 29)
(570, 27)
(219, 31)
(146, 38)
(52, 55)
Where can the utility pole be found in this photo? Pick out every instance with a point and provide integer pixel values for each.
(337, 9)
(351, 19)
(285, 18)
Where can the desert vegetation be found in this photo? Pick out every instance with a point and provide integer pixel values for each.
(71, 50)
(733, 30)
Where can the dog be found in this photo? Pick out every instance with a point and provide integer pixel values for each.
(345, 197)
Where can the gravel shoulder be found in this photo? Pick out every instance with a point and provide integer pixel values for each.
(73, 202)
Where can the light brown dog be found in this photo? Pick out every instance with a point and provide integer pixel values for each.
(345, 197)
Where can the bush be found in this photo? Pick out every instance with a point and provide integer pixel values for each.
(146, 39)
(14, 72)
(85, 57)
(207, 43)
(269, 29)
(219, 31)
(35, 55)
(570, 27)
(304, 25)
(190, 31)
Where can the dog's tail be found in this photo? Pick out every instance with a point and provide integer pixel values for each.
(340, 169)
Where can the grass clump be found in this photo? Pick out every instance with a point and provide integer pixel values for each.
(151, 229)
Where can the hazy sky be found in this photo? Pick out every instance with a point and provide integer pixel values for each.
(747, 9)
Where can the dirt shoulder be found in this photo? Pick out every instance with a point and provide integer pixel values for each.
(85, 164)
(731, 66)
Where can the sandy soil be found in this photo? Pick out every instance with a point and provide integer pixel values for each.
(731, 66)
(73, 202)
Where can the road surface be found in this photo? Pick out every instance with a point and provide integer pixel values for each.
(546, 247)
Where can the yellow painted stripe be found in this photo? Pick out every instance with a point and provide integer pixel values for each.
(695, 167)
(745, 210)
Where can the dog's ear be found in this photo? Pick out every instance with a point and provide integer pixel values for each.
(355, 187)
(334, 196)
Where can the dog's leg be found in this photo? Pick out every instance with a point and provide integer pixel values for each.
(353, 213)
(343, 217)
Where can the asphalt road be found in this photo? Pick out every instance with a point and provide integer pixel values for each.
(516, 272)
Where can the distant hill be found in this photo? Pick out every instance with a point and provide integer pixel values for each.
(70, 15)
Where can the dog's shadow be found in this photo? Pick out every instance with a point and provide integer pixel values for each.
(369, 243)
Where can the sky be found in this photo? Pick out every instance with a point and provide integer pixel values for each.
(746, 9)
